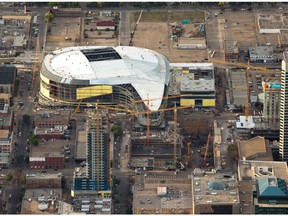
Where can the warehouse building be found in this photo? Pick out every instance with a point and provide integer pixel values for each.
(262, 54)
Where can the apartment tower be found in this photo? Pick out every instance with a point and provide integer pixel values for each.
(97, 150)
(95, 177)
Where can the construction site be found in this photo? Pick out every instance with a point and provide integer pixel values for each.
(175, 107)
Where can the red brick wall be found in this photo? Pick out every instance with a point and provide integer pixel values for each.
(49, 163)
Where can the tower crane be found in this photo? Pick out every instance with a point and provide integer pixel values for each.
(175, 135)
(248, 67)
(175, 121)
(148, 112)
(206, 151)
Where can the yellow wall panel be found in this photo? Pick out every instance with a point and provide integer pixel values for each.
(44, 91)
(208, 102)
(44, 79)
(187, 102)
(93, 91)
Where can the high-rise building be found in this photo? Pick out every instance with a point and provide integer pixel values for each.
(95, 178)
(97, 150)
(283, 145)
(271, 105)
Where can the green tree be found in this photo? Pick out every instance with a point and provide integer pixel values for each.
(232, 151)
(33, 140)
(49, 16)
(8, 177)
(116, 130)
(100, 4)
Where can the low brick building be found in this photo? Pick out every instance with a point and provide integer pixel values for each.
(45, 160)
(43, 180)
(105, 25)
(231, 50)
(50, 133)
(50, 119)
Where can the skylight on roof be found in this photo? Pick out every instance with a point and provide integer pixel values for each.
(103, 54)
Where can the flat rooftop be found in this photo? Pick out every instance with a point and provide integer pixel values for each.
(238, 86)
(215, 188)
(185, 72)
(4, 134)
(81, 142)
(255, 148)
(246, 196)
(243, 124)
(36, 155)
(52, 115)
(177, 193)
(47, 131)
(92, 204)
(261, 52)
(6, 121)
(197, 86)
(252, 170)
(7, 74)
(40, 175)
(34, 197)
(193, 66)
(55, 147)
(4, 158)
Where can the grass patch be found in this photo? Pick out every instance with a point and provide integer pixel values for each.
(173, 16)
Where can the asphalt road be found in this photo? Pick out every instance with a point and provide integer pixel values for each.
(124, 26)
(120, 167)
(19, 153)
(214, 34)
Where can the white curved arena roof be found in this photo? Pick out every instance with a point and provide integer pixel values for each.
(147, 71)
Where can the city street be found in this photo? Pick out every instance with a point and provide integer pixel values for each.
(214, 33)
(120, 168)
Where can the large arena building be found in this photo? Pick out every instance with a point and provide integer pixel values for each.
(117, 75)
